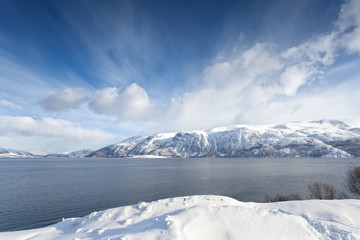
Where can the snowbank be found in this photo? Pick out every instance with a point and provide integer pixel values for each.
(210, 217)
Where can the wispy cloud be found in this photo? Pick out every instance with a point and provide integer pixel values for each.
(256, 85)
(119, 63)
(262, 83)
(349, 26)
(7, 103)
(120, 44)
(17, 79)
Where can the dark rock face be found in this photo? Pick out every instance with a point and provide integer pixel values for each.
(351, 146)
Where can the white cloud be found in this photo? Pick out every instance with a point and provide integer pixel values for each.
(258, 60)
(319, 50)
(354, 122)
(131, 103)
(235, 85)
(211, 108)
(349, 15)
(244, 68)
(65, 99)
(351, 41)
(217, 74)
(202, 109)
(262, 84)
(328, 103)
(64, 134)
(349, 26)
(6, 103)
(292, 78)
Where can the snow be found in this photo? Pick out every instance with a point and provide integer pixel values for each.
(325, 138)
(76, 154)
(146, 156)
(11, 153)
(210, 217)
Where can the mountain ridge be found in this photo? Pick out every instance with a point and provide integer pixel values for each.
(11, 153)
(324, 138)
(74, 154)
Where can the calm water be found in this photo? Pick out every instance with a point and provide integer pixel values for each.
(38, 192)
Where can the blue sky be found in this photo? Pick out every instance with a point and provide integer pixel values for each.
(84, 74)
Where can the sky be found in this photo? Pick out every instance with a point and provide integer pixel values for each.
(84, 74)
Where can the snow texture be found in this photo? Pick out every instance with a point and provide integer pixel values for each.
(210, 217)
(326, 138)
(11, 153)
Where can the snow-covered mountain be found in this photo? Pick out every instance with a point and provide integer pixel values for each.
(325, 138)
(11, 153)
(80, 153)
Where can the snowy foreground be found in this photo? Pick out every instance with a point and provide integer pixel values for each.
(210, 217)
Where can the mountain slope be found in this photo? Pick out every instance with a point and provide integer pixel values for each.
(326, 138)
(10, 153)
(75, 154)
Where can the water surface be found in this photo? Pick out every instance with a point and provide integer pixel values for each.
(38, 192)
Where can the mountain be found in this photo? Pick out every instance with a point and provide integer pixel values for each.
(80, 153)
(325, 138)
(11, 153)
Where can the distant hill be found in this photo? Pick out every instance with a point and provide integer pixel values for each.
(80, 153)
(11, 153)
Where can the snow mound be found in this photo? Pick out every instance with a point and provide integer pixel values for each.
(210, 217)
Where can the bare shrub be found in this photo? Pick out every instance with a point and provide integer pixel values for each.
(329, 191)
(342, 195)
(320, 190)
(353, 180)
(282, 198)
(315, 190)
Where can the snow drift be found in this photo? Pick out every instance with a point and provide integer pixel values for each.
(210, 217)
